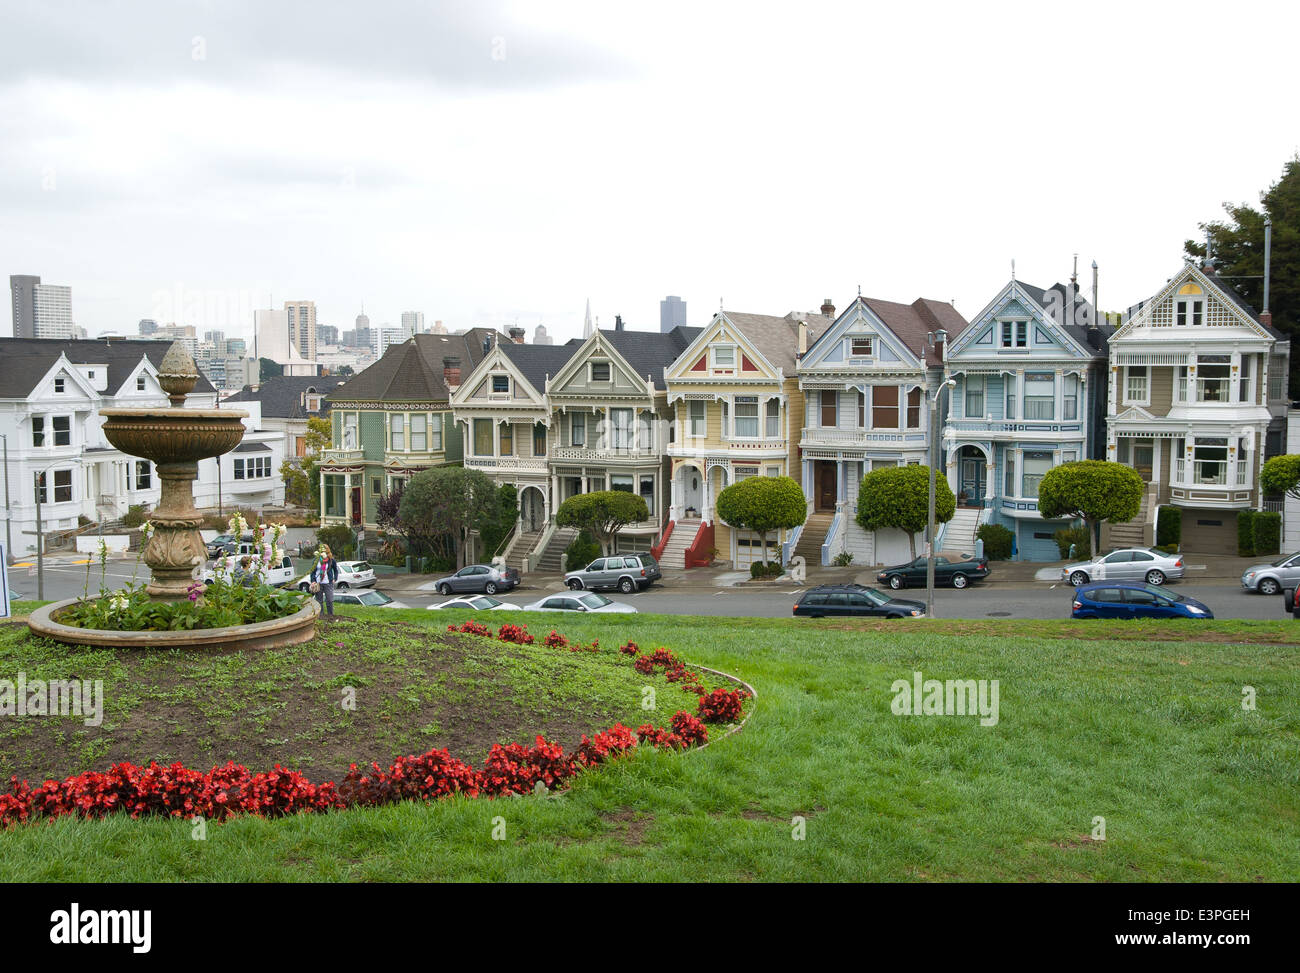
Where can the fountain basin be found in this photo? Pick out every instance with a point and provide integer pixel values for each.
(290, 630)
(174, 436)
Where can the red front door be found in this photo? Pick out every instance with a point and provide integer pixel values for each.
(356, 505)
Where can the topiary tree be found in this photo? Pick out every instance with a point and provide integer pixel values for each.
(602, 514)
(1281, 474)
(763, 504)
(448, 500)
(898, 497)
(1093, 490)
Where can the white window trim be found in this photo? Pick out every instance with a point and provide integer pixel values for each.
(1146, 399)
(591, 372)
(713, 357)
(849, 353)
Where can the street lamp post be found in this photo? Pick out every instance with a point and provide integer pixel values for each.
(40, 541)
(929, 518)
(9, 540)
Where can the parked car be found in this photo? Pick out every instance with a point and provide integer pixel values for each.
(480, 603)
(839, 600)
(1269, 579)
(277, 575)
(1127, 564)
(223, 544)
(366, 599)
(485, 578)
(1289, 602)
(1109, 599)
(626, 572)
(956, 570)
(352, 574)
(587, 602)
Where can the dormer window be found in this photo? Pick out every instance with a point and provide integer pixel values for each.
(139, 383)
(600, 371)
(1189, 310)
(860, 347)
(500, 384)
(58, 386)
(1015, 334)
(724, 356)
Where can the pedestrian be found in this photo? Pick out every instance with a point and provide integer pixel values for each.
(323, 578)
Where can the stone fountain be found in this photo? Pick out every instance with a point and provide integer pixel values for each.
(176, 439)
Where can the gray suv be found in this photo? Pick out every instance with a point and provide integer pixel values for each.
(626, 572)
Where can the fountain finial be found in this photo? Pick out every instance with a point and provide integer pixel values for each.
(178, 374)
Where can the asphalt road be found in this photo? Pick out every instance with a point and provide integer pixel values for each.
(1036, 600)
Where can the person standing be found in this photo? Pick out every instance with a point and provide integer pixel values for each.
(323, 578)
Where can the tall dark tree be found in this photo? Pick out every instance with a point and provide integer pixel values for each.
(1239, 243)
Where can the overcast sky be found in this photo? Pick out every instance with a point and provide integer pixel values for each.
(486, 163)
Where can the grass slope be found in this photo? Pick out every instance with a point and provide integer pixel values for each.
(1150, 735)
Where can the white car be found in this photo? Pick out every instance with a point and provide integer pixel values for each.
(367, 599)
(277, 575)
(481, 603)
(352, 574)
(578, 601)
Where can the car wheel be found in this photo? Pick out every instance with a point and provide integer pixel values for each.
(490, 588)
(895, 582)
(575, 584)
(1078, 578)
(1269, 587)
(626, 586)
(304, 587)
(444, 589)
(959, 581)
(1155, 577)
(343, 586)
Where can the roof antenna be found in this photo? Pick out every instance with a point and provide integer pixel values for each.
(1013, 268)
(1268, 253)
(1074, 274)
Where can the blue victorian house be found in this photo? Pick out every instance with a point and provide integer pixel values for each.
(1030, 394)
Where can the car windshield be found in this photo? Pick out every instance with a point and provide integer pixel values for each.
(358, 567)
(595, 601)
(374, 598)
(875, 597)
(483, 604)
(1281, 562)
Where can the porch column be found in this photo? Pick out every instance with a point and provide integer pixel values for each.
(990, 471)
(950, 470)
(841, 485)
(347, 498)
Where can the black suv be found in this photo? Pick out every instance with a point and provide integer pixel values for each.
(839, 600)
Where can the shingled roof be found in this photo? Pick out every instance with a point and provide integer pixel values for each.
(412, 371)
(538, 362)
(282, 396)
(912, 323)
(777, 338)
(25, 361)
(650, 352)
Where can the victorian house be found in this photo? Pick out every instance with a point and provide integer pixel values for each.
(1197, 397)
(1029, 395)
(866, 381)
(737, 413)
(393, 420)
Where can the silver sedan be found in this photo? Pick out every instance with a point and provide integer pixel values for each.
(1127, 564)
(577, 601)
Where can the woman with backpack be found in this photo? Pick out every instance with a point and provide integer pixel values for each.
(323, 578)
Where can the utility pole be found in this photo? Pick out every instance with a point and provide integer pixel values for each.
(929, 517)
(40, 543)
(9, 540)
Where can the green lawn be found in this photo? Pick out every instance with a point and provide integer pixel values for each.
(1150, 735)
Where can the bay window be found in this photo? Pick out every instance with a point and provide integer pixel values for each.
(1040, 396)
(773, 430)
(1210, 460)
(974, 396)
(482, 437)
(38, 431)
(1070, 398)
(884, 407)
(862, 409)
(63, 430)
(747, 416)
(1036, 464)
(1213, 375)
(1135, 384)
(507, 439)
(578, 429)
(539, 440)
(726, 418)
(646, 432)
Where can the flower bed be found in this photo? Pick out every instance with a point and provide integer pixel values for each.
(514, 768)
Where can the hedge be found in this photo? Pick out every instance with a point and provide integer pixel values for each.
(1080, 537)
(998, 541)
(1169, 527)
(1258, 533)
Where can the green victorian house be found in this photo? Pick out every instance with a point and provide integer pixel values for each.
(393, 420)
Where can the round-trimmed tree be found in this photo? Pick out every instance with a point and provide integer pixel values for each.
(602, 514)
(449, 499)
(763, 504)
(1092, 490)
(1281, 474)
(899, 497)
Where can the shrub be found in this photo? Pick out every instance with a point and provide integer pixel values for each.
(1080, 537)
(134, 516)
(1246, 533)
(581, 552)
(721, 706)
(843, 559)
(339, 537)
(998, 541)
(1169, 528)
(1268, 532)
(772, 569)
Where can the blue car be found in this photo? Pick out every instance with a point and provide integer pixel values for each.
(1112, 599)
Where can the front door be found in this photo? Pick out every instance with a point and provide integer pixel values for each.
(356, 505)
(972, 479)
(826, 486)
(1143, 451)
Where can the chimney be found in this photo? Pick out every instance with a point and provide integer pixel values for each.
(1265, 315)
(517, 335)
(451, 372)
(803, 338)
(618, 322)
(828, 308)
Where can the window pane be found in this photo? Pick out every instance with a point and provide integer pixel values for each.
(884, 406)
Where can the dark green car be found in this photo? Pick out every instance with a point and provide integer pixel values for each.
(957, 572)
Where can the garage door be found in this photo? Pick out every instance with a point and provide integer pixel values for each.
(750, 551)
(1209, 531)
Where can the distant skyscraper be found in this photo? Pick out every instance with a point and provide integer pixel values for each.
(23, 289)
(672, 314)
(41, 310)
(148, 326)
(413, 322)
(439, 327)
(363, 321)
(302, 327)
(587, 325)
(327, 334)
(540, 337)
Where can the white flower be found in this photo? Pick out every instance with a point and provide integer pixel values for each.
(103, 548)
(118, 603)
(147, 529)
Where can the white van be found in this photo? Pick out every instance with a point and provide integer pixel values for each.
(277, 575)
